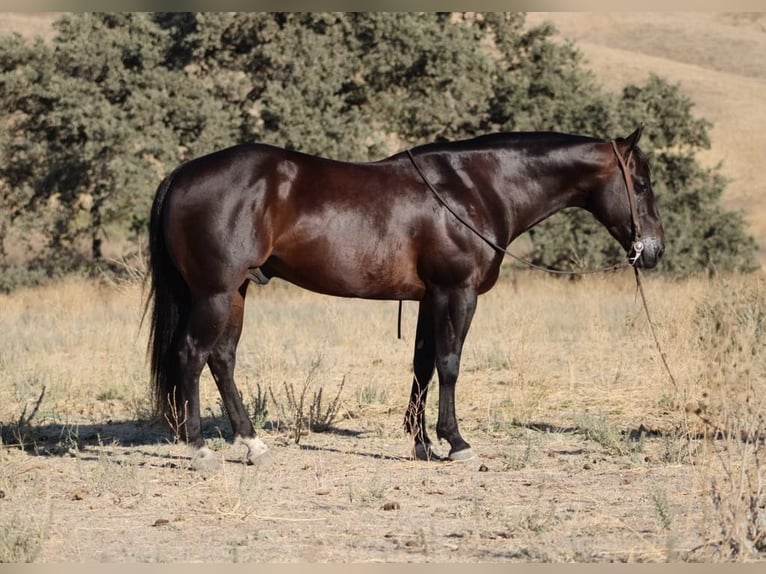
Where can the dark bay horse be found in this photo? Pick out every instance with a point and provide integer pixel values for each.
(370, 230)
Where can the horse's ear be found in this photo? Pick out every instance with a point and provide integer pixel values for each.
(632, 139)
(628, 144)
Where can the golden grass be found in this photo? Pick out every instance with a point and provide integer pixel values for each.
(29, 24)
(80, 341)
(540, 349)
(717, 60)
(573, 357)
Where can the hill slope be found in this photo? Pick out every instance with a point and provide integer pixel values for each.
(717, 58)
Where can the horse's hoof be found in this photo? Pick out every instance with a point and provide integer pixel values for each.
(204, 460)
(257, 452)
(424, 452)
(461, 455)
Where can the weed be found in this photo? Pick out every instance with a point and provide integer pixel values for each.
(371, 394)
(69, 439)
(321, 419)
(731, 329)
(109, 394)
(175, 418)
(259, 408)
(662, 507)
(677, 448)
(599, 429)
(18, 431)
(315, 418)
(21, 539)
(514, 461)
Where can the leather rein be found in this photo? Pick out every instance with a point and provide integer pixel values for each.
(637, 244)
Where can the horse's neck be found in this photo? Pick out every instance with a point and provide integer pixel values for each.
(540, 189)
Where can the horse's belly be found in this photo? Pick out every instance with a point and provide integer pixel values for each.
(349, 277)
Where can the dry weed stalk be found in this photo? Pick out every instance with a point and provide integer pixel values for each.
(732, 327)
(20, 429)
(316, 420)
(176, 419)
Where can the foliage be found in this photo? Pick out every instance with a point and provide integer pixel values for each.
(701, 235)
(88, 133)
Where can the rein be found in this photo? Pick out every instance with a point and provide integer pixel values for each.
(637, 245)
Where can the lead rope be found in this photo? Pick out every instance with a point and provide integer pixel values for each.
(653, 331)
(638, 247)
(494, 245)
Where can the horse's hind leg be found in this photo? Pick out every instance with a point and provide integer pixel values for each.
(423, 367)
(207, 320)
(221, 361)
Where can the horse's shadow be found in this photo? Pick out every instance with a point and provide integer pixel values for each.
(93, 440)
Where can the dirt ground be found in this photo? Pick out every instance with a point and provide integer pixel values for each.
(99, 484)
(121, 492)
(585, 452)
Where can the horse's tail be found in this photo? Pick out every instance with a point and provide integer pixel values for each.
(169, 300)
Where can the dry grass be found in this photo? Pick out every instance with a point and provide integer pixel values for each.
(559, 379)
(28, 24)
(717, 60)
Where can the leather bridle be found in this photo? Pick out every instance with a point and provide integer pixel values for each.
(636, 243)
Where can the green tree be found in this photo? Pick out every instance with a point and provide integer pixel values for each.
(90, 132)
(93, 129)
(700, 233)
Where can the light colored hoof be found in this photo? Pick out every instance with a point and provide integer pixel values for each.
(204, 460)
(257, 452)
(461, 455)
(424, 452)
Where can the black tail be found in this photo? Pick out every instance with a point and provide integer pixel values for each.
(169, 298)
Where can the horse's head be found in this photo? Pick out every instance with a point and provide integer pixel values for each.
(626, 205)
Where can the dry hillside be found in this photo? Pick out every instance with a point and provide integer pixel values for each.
(717, 58)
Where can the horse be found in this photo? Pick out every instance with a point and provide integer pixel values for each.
(372, 230)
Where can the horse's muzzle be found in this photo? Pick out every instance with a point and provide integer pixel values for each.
(646, 253)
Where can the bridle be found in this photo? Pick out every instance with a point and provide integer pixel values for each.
(636, 244)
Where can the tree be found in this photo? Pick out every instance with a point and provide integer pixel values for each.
(91, 132)
(701, 234)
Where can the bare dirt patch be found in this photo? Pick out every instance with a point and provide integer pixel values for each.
(353, 495)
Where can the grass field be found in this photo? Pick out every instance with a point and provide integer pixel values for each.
(587, 450)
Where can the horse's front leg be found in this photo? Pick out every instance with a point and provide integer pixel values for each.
(423, 370)
(453, 311)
